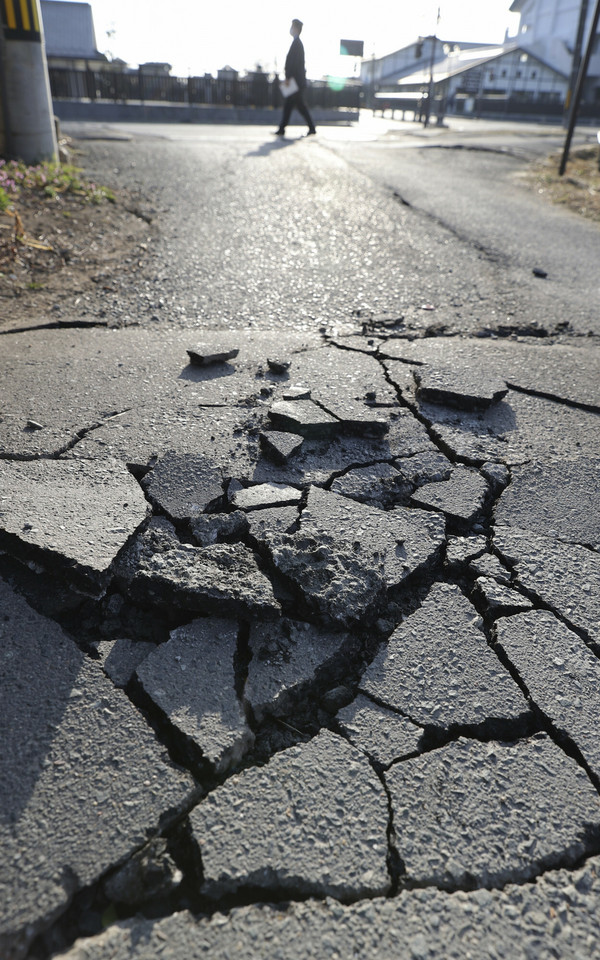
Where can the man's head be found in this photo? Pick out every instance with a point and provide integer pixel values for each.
(296, 28)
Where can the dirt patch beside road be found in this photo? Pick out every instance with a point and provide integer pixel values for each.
(61, 253)
(578, 189)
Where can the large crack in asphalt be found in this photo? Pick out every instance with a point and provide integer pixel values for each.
(313, 707)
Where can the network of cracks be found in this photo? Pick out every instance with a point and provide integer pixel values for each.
(336, 640)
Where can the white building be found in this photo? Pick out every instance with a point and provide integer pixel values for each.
(548, 28)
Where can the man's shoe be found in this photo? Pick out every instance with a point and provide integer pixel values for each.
(311, 133)
(280, 133)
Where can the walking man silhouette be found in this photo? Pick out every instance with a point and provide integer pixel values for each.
(295, 69)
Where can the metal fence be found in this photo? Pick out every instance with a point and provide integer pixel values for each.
(257, 91)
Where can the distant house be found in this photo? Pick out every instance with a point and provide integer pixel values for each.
(227, 73)
(506, 73)
(69, 35)
(384, 72)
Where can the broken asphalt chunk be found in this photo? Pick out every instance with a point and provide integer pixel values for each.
(157, 569)
(314, 821)
(83, 780)
(461, 550)
(265, 495)
(288, 659)
(336, 580)
(561, 576)
(381, 733)
(379, 483)
(487, 565)
(438, 669)
(219, 528)
(402, 541)
(486, 814)
(203, 356)
(184, 485)
(191, 679)
(70, 515)
(460, 499)
(303, 417)
(561, 674)
(500, 600)
(357, 418)
(279, 445)
(264, 524)
(462, 388)
(278, 365)
(296, 393)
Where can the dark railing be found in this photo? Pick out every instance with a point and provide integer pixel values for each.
(67, 84)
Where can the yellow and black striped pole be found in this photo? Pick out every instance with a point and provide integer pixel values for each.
(21, 20)
(28, 120)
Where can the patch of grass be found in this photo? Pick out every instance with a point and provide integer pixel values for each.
(51, 180)
(34, 285)
(578, 188)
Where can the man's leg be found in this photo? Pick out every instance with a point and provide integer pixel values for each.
(303, 111)
(285, 117)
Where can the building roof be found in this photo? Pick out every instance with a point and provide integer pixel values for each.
(468, 60)
(69, 30)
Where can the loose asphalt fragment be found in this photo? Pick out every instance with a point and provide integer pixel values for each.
(265, 495)
(148, 877)
(119, 658)
(487, 565)
(381, 484)
(461, 550)
(203, 356)
(486, 814)
(466, 390)
(304, 417)
(313, 820)
(438, 670)
(191, 679)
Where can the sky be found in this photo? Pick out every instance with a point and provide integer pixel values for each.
(201, 36)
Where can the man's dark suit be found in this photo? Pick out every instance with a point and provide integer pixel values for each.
(294, 67)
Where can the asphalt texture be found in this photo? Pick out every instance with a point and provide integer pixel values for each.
(299, 561)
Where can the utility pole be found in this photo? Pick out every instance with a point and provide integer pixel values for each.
(26, 102)
(576, 60)
(431, 63)
(579, 88)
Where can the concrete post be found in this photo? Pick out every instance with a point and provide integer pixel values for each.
(27, 105)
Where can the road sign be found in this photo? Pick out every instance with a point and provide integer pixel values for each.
(352, 48)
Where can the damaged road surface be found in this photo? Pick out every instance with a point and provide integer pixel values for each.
(299, 647)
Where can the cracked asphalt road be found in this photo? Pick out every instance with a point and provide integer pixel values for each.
(299, 649)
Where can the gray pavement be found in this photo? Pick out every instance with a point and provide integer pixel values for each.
(299, 648)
